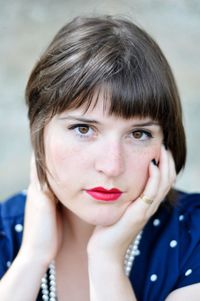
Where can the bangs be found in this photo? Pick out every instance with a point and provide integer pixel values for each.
(126, 94)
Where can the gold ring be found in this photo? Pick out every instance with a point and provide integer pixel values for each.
(146, 199)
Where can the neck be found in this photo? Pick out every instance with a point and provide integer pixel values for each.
(75, 230)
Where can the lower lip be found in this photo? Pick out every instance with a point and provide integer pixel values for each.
(103, 196)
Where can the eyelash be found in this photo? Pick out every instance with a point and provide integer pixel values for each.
(76, 126)
(145, 132)
(86, 136)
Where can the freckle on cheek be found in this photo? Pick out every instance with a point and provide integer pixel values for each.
(68, 155)
(60, 155)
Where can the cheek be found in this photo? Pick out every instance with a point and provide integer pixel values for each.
(64, 159)
(138, 166)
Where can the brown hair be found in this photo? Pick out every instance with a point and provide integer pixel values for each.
(105, 52)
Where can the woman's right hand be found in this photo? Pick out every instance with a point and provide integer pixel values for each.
(42, 225)
(40, 244)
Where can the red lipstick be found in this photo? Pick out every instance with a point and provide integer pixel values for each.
(103, 194)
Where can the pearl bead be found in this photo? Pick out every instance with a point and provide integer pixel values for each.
(137, 253)
(135, 247)
(44, 280)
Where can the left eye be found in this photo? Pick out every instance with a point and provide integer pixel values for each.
(141, 135)
(82, 130)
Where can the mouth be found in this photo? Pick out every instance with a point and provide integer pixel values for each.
(102, 194)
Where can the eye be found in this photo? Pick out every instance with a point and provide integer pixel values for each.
(82, 130)
(141, 135)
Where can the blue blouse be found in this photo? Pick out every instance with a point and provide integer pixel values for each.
(169, 251)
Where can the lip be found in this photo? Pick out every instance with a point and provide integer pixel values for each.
(103, 194)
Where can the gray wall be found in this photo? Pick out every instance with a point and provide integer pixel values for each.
(27, 26)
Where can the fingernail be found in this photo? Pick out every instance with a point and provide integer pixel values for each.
(154, 162)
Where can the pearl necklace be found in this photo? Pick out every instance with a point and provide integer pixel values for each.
(49, 294)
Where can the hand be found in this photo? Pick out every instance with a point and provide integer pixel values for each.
(42, 227)
(111, 242)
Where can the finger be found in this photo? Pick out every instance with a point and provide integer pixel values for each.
(153, 182)
(164, 171)
(168, 173)
(158, 184)
(172, 169)
(32, 167)
(139, 209)
(151, 188)
(33, 172)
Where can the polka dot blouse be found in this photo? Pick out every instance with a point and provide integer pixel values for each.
(169, 251)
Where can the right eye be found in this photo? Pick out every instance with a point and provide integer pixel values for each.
(82, 130)
(141, 135)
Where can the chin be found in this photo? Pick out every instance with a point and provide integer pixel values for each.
(101, 222)
(104, 219)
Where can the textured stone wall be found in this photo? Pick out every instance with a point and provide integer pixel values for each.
(27, 26)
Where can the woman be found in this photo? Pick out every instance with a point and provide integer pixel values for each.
(101, 216)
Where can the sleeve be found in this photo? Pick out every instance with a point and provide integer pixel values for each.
(190, 243)
(11, 230)
(191, 271)
(3, 251)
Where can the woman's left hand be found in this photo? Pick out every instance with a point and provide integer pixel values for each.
(111, 242)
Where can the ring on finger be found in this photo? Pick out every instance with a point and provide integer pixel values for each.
(146, 199)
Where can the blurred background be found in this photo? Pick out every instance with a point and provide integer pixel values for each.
(26, 27)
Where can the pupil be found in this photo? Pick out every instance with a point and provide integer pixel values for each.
(83, 129)
(137, 135)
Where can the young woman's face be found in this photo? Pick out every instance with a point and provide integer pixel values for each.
(94, 149)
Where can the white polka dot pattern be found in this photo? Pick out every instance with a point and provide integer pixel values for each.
(188, 272)
(18, 228)
(181, 217)
(156, 222)
(173, 243)
(153, 277)
(8, 263)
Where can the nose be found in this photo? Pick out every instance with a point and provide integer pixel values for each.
(110, 159)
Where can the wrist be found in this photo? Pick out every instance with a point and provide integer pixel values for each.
(107, 281)
(100, 265)
(29, 256)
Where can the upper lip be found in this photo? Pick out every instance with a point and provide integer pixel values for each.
(102, 189)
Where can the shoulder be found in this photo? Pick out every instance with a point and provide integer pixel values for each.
(185, 234)
(13, 206)
(169, 249)
(181, 218)
(187, 201)
(186, 209)
(11, 228)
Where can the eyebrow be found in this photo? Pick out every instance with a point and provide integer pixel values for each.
(80, 119)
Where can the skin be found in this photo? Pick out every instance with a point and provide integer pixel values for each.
(61, 226)
(125, 166)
